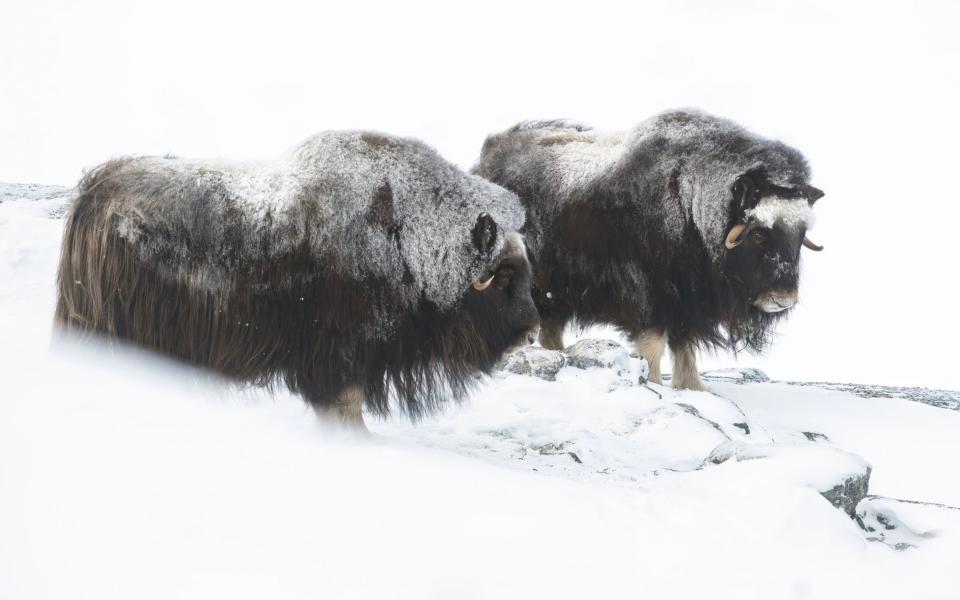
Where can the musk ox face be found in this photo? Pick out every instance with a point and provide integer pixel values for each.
(499, 306)
(763, 246)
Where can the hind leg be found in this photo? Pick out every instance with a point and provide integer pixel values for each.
(651, 346)
(685, 374)
(346, 410)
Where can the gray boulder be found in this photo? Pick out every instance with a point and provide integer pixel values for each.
(592, 353)
(533, 361)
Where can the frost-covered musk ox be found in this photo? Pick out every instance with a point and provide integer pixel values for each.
(684, 230)
(358, 264)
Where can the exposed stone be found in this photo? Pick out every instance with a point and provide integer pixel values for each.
(736, 375)
(551, 449)
(533, 361)
(696, 413)
(939, 398)
(905, 524)
(846, 494)
(591, 353)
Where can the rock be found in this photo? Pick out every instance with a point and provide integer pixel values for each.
(849, 492)
(841, 477)
(938, 398)
(691, 410)
(591, 353)
(737, 375)
(550, 449)
(643, 369)
(533, 361)
(904, 524)
(725, 415)
(813, 436)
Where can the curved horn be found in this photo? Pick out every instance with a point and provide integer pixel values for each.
(482, 285)
(808, 244)
(733, 238)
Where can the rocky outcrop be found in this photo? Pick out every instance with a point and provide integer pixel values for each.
(736, 375)
(533, 361)
(905, 524)
(593, 353)
(841, 477)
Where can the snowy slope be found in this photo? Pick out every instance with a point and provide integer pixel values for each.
(125, 476)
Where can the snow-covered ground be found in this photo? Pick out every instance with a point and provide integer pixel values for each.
(563, 477)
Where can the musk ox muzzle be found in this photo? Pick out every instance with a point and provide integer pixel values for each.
(776, 301)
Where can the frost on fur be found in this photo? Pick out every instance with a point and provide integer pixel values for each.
(375, 205)
(791, 212)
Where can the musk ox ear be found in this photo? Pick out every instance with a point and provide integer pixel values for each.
(485, 233)
(812, 194)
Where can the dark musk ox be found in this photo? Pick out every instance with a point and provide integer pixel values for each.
(684, 231)
(358, 269)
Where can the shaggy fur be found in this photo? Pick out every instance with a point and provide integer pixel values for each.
(348, 264)
(628, 228)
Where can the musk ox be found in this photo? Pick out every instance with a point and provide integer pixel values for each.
(359, 268)
(685, 230)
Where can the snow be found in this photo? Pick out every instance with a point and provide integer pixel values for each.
(123, 476)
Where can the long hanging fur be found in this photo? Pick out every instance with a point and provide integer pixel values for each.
(157, 252)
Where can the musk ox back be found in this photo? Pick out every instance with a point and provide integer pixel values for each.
(685, 230)
(356, 265)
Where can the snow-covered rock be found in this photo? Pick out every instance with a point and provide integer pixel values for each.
(594, 353)
(10, 192)
(903, 524)
(533, 361)
(840, 477)
(736, 375)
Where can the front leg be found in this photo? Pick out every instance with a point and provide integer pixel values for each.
(346, 410)
(685, 374)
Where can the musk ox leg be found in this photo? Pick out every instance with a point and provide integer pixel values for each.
(551, 334)
(685, 374)
(346, 410)
(651, 346)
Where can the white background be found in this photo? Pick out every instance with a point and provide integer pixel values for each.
(867, 90)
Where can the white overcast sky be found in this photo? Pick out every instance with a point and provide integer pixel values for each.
(867, 90)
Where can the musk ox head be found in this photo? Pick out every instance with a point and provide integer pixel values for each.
(498, 308)
(767, 230)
